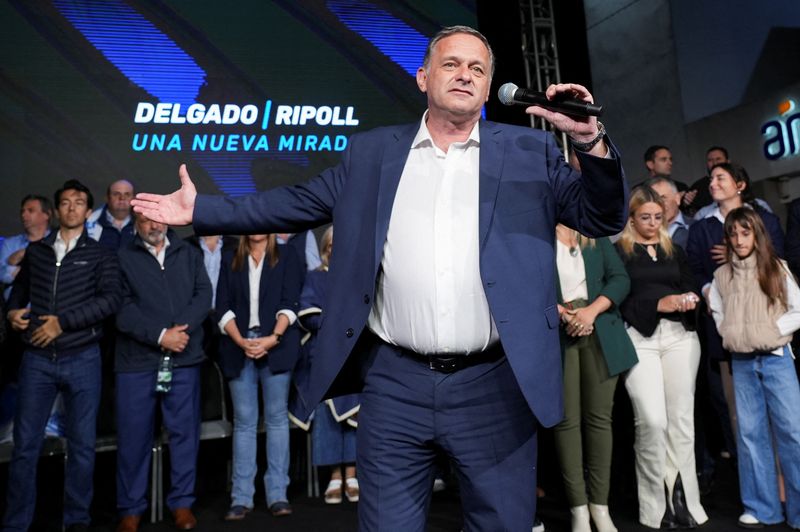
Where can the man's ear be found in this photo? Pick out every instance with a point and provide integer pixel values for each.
(422, 79)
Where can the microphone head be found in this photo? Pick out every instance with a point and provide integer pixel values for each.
(506, 93)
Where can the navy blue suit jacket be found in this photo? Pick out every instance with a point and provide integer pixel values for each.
(279, 289)
(525, 189)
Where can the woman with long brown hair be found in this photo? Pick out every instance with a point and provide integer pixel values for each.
(257, 299)
(659, 313)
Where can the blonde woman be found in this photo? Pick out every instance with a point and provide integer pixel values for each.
(660, 316)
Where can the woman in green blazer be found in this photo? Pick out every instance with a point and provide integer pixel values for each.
(592, 282)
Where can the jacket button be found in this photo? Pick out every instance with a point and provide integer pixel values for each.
(349, 333)
(366, 299)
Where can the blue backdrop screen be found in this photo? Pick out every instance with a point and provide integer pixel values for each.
(251, 94)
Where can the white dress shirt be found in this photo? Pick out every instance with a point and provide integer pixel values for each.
(429, 297)
(254, 280)
(159, 256)
(62, 247)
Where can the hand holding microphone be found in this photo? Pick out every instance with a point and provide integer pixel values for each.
(510, 94)
(568, 107)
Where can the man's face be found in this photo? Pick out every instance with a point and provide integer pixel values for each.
(671, 199)
(458, 77)
(73, 209)
(32, 215)
(661, 165)
(715, 157)
(151, 232)
(120, 194)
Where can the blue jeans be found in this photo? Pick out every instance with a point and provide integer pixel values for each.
(244, 392)
(334, 442)
(768, 394)
(77, 377)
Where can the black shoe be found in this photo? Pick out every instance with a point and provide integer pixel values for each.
(77, 527)
(683, 517)
(668, 521)
(280, 509)
(705, 482)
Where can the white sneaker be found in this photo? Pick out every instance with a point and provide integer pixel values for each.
(747, 520)
(538, 526)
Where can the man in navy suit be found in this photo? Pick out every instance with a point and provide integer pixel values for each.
(442, 300)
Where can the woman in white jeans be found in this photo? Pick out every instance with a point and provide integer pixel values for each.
(660, 314)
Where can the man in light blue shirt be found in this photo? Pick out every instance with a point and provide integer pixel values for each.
(305, 244)
(677, 224)
(35, 214)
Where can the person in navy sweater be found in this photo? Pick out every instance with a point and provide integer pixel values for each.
(166, 297)
(257, 301)
(335, 420)
(730, 189)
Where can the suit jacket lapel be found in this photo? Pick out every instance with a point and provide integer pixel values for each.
(490, 170)
(392, 165)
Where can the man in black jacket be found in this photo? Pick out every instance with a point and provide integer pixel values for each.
(71, 284)
(166, 297)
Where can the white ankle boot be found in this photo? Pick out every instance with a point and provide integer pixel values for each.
(601, 517)
(580, 519)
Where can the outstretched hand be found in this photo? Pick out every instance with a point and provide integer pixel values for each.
(580, 128)
(171, 209)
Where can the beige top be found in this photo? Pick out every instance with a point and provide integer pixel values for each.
(749, 322)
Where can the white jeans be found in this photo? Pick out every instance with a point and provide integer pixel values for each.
(661, 387)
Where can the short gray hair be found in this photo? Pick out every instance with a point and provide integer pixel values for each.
(662, 179)
(454, 30)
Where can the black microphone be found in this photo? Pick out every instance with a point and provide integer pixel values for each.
(510, 94)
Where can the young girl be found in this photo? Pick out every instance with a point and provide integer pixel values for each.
(755, 302)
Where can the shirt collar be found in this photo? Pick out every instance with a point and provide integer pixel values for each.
(679, 220)
(113, 221)
(152, 249)
(716, 213)
(204, 247)
(60, 240)
(423, 137)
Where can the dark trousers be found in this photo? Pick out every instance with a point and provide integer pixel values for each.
(136, 416)
(41, 378)
(477, 416)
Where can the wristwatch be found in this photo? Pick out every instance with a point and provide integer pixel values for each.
(587, 146)
(277, 336)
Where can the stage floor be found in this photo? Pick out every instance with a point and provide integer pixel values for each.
(312, 514)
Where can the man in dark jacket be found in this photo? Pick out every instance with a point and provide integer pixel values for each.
(112, 224)
(166, 297)
(72, 284)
